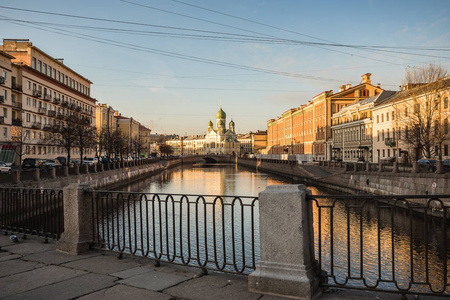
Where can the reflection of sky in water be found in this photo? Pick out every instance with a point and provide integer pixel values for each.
(214, 180)
(231, 180)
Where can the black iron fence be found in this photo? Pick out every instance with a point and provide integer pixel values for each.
(210, 232)
(384, 243)
(32, 212)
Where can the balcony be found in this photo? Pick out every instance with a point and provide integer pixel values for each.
(47, 127)
(72, 106)
(16, 104)
(36, 125)
(16, 87)
(2, 120)
(78, 108)
(37, 93)
(42, 110)
(56, 100)
(51, 113)
(65, 104)
(60, 116)
(390, 142)
(17, 122)
(47, 97)
(2, 80)
(2, 99)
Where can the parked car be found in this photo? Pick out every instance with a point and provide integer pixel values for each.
(446, 164)
(50, 163)
(90, 161)
(74, 162)
(62, 160)
(31, 163)
(4, 168)
(427, 164)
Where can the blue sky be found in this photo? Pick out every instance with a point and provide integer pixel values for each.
(185, 58)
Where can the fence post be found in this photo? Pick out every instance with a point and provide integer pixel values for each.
(287, 266)
(37, 174)
(77, 235)
(16, 177)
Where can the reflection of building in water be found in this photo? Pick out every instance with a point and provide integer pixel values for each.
(391, 237)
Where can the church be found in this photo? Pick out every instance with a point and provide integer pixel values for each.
(221, 140)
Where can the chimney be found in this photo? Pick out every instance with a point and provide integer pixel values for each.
(366, 78)
(61, 60)
(348, 86)
(379, 85)
(342, 88)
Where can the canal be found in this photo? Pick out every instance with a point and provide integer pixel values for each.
(402, 241)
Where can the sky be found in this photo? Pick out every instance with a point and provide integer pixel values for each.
(171, 64)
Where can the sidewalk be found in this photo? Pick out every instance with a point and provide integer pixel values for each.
(31, 269)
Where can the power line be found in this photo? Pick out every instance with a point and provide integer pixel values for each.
(183, 56)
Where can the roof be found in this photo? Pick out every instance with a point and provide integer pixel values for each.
(396, 96)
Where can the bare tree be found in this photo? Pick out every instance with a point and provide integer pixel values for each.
(165, 149)
(62, 134)
(84, 134)
(421, 115)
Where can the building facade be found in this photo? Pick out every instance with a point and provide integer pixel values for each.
(40, 90)
(306, 130)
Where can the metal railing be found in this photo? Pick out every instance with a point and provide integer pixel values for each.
(209, 232)
(32, 212)
(384, 243)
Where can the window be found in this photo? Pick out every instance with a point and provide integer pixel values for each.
(445, 150)
(5, 76)
(445, 126)
(382, 137)
(5, 112)
(28, 85)
(33, 62)
(384, 153)
(446, 102)
(378, 135)
(4, 95)
(54, 73)
(387, 117)
(393, 116)
(389, 152)
(45, 68)
(28, 101)
(34, 103)
(39, 66)
(406, 111)
(5, 132)
(378, 118)
(28, 118)
(382, 118)
(436, 127)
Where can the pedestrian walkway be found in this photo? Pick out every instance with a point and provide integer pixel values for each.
(31, 269)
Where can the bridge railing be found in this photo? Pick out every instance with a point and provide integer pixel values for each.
(36, 212)
(208, 231)
(398, 244)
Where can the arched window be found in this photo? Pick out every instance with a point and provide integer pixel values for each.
(446, 102)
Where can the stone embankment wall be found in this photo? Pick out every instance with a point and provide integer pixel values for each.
(102, 179)
(381, 183)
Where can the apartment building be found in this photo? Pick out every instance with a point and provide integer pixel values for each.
(38, 91)
(352, 130)
(145, 135)
(306, 130)
(415, 112)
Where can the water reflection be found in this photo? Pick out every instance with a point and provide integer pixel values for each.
(366, 244)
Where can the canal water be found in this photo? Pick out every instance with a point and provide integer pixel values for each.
(342, 239)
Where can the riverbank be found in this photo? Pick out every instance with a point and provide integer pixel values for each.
(354, 182)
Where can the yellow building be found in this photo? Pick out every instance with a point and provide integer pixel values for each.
(145, 141)
(105, 118)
